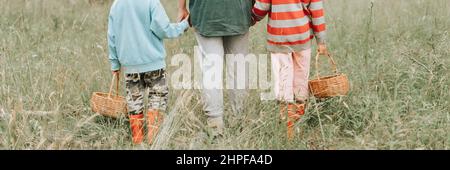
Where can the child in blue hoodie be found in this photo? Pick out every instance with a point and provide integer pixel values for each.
(136, 29)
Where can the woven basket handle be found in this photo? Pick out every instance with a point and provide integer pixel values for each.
(117, 78)
(333, 64)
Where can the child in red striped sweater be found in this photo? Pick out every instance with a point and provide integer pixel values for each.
(292, 26)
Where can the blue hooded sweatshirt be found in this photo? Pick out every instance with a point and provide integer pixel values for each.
(136, 29)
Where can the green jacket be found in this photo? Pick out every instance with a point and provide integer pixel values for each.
(213, 18)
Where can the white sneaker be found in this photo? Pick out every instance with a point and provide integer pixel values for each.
(216, 125)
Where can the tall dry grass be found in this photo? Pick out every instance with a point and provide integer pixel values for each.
(53, 55)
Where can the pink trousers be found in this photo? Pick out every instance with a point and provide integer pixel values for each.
(291, 74)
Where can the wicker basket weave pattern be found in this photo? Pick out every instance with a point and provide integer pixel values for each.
(108, 104)
(329, 86)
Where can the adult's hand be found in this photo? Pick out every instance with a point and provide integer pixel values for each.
(183, 13)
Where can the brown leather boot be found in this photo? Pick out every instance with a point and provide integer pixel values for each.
(154, 121)
(217, 126)
(137, 128)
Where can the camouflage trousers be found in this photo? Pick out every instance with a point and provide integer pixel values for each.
(154, 82)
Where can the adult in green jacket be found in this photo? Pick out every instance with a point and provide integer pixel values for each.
(221, 28)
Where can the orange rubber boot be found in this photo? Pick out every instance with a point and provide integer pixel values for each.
(137, 128)
(295, 112)
(301, 108)
(154, 120)
(291, 121)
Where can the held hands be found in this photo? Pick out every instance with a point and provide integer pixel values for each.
(187, 18)
(183, 14)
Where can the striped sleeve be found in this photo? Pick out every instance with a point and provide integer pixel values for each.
(318, 20)
(260, 9)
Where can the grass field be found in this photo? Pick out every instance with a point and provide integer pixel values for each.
(53, 55)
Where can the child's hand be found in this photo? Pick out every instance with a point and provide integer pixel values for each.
(188, 19)
(323, 49)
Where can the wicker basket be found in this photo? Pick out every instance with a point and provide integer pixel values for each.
(329, 86)
(108, 104)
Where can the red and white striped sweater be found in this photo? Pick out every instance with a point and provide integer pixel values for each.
(292, 23)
